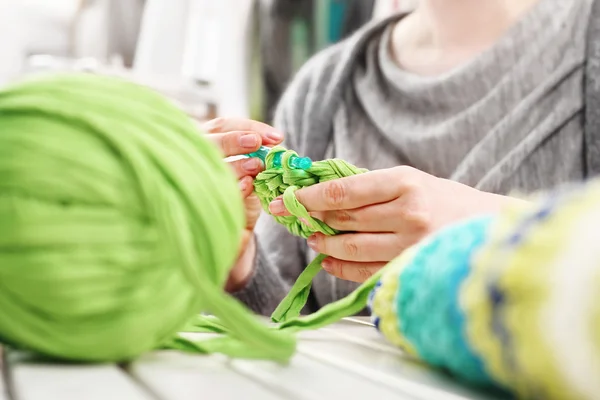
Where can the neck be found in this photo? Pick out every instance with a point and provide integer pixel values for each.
(450, 23)
(441, 34)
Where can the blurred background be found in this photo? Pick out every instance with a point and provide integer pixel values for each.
(212, 57)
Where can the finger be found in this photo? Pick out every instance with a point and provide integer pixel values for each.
(384, 217)
(246, 186)
(376, 218)
(236, 143)
(362, 247)
(253, 210)
(276, 207)
(247, 167)
(269, 135)
(351, 192)
(351, 271)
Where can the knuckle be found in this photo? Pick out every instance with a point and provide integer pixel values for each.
(216, 125)
(229, 143)
(343, 217)
(409, 179)
(350, 247)
(410, 185)
(363, 274)
(404, 170)
(336, 268)
(419, 222)
(335, 194)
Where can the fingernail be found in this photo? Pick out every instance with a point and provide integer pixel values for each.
(249, 141)
(326, 264)
(312, 242)
(251, 164)
(277, 206)
(243, 184)
(275, 136)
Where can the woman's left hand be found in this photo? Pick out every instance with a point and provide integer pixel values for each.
(387, 211)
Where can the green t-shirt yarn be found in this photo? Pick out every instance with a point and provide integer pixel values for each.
(119, 222)
(284, 180)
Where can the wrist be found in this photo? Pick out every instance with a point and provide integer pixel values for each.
(243, 269)
(496, 203)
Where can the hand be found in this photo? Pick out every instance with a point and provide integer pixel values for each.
(234, 137)
(387, 211)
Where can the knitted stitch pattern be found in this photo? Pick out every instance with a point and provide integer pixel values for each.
(510, 302)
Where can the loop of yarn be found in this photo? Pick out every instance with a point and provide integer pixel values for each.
(112, 234)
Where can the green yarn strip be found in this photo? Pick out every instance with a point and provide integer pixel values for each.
(293, 303)
(333, 312)
(285, 181)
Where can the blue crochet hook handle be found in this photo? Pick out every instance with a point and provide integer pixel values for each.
(293, 162)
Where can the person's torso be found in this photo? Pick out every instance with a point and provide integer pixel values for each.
(509, 120)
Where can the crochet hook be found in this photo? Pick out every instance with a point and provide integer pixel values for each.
(296, 162)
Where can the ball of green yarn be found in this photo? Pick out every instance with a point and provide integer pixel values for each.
(118, 220)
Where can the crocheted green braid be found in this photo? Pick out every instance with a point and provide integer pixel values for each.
(281, 179)
(285, 180)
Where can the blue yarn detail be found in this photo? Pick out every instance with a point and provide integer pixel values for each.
(375, 319)
(521, 231)
(428, 310)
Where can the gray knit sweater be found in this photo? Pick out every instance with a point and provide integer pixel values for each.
(523, 116)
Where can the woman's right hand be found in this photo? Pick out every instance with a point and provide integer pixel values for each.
(238, 136)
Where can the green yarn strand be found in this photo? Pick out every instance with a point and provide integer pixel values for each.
(285, 181)
(311, 225)
(333, 312)
(291, 306)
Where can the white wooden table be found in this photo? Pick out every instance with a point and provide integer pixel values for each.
(349, 360)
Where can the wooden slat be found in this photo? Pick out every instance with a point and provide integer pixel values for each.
(362, 352)
(310, 379)
(3, 385)
(177, 376)
(349, 360)
(33, 380)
